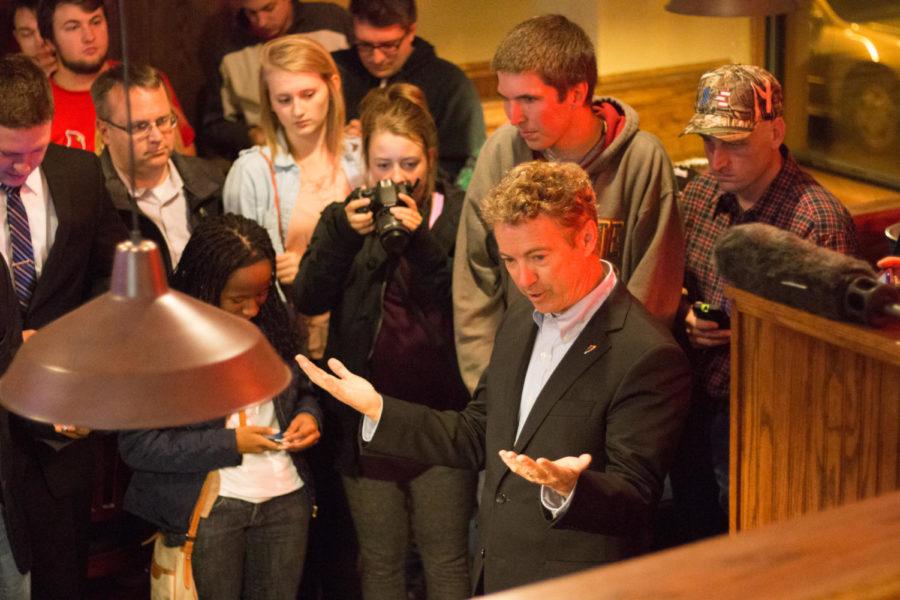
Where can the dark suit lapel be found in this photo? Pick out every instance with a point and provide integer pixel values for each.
(62, 204)
(593, 342)
(508, 374)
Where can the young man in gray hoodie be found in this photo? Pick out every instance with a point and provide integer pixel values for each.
(546, 71)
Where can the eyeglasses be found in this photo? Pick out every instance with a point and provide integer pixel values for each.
(386, 48)
(142, 129)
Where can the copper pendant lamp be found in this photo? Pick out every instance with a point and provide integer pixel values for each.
(141, 355)
(732, 8)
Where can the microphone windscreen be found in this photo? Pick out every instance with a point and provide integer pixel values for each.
(778, 265)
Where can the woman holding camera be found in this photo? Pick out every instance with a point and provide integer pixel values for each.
(305, 165)
(391, 321)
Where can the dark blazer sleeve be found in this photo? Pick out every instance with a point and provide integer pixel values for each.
(450, 438)
(643, 429)
(10, 460)
(180, 450)
(10, 320)
(80, 260)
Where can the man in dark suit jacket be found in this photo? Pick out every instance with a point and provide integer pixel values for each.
(598, 390)
(74, 230)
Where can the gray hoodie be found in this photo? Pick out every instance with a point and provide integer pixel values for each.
(636, 201)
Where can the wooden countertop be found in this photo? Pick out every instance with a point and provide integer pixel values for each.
(848, 552)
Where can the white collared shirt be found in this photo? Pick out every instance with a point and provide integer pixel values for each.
(42, 220)
(166, 205)
(556, 334)
(260, 476)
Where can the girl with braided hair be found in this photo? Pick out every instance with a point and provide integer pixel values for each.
(253, 542)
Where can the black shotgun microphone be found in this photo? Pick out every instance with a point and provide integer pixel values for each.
(780, 266)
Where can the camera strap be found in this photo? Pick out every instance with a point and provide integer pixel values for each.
(275, 196)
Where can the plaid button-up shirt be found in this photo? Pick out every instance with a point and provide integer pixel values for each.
(794, 201)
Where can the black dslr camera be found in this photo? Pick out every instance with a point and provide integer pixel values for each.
(390, 231)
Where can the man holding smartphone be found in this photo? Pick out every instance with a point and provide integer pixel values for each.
(752, 177)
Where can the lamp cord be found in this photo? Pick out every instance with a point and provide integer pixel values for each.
(123, 36)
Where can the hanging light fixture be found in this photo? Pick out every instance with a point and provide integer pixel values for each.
(732, 8)
(141, 355)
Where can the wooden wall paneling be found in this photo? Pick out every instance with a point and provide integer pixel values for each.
(171, 35)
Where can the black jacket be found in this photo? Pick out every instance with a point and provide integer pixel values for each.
(452, 99)
(77, 267)
(202, 189)
(10, 454)
(346, 273)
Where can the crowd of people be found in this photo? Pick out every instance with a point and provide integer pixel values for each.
(518, 306)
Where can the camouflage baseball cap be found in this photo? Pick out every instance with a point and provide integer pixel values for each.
(732, 99)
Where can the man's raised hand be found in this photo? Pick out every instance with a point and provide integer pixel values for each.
(559, 475)
(352, 390)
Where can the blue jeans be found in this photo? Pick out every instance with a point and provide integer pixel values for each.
(13, 585)
(252, 551)
(434, 510)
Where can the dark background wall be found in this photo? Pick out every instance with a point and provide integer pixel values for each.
(168, 34)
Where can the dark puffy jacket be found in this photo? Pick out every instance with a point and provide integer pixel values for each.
(346, 273)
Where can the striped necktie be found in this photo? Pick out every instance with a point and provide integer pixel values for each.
(24, 274)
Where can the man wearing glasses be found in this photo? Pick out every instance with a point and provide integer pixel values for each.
(78, 31)
(173, 191)
(388, 51)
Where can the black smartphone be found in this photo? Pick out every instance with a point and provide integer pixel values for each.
(278, 437)
(708, 312)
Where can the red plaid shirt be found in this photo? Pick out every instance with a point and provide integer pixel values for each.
(794, 201)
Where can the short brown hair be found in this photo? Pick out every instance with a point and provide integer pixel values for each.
(555, 48)
(47, 8)
(299, 54)
(561, 191)
(401, 109)
(139, 76)
(384, 13)
(27, 99)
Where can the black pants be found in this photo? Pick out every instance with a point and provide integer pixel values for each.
(699, 475)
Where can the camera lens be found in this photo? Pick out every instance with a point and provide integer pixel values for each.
(391, 232)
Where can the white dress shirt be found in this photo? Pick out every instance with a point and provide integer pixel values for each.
(556, 334)
(165, 205)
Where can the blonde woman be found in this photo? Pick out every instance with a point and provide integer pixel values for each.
(305, 165)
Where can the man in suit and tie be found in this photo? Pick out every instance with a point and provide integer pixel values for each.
(58, 240)
(578, 414)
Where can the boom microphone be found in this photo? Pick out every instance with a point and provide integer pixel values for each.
(780, 266)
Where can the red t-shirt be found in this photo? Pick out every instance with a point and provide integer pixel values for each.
(74, 118)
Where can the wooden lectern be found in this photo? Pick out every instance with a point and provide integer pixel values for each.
(815, 411)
